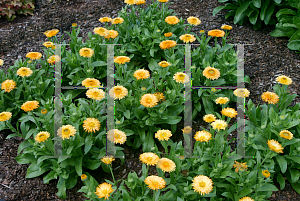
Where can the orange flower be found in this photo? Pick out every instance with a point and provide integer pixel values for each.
(216, 33)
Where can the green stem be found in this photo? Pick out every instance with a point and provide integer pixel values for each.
(25, 87)
(112, 174)
(36, 122)
(216, 42)
(154, 194)
(163, 8)
(13, 129)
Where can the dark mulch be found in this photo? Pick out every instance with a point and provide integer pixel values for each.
(265, 59)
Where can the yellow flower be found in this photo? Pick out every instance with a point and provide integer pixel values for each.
(169, 34)
(209, 118)
(216, 33)
(202, 184)
(181, 157)
(266, 173)
(246, 199)
(284, 80)
(74, 25)
(211, 73)
(240, 166)
(167, 44)
(117, 20)
(270, 97)
(139, 2)
(213, 89)
(162, 135)
(42, 136)
(187, 38)
(163, 1)
(53, 47)
(121, 59)
(194, 21)
(149, 158)
(116, 136)
(181, 77)
(275, 146)
(144, 88)
(83, 177)
(186, 130)
(86, 52)
(155, 182)
(30, 105)
(226, 27)
(96, 94)
(51, 33)
(8, 85)
(286, 134)
(130, 2)
(242, 93)
(141, 74)
(91, 125)
(44, 111)
(164, 64)
(111, 34)
(24, 72)
(203, 136)
(105, 19)
(201, 31)
(100, 31)
(148, 100)
(219, 124)
(108, 159)
(166, 165)
(104, 190)
(52, 59)
(229, 112)
(118, 92)
(222, 100)
(34, 55)
(1, 62)
(66, 131)
(172, 20)
(90, 82)
(159, 96)
(48, 44)
(4, 116)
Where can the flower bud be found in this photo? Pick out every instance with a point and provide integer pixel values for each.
(152, 148)
(282, 117)
(130, 180)
(220, 165)
(298, 148)
(208, 149)
(186, 189)
(263, 126)
(251, 136)
(213, 89)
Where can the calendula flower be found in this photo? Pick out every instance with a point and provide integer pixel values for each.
(164, 64)
(229, 112)
(213, 89)
(226, 27)
(118, 92)
(169, 34)
(91, 82)
(284, 80)
(172, 20)
(240, 166)
(100, 31)
(201, 31)
(193, 20)
(202, 136)
(222, 100)
(266, 173)
(130, 2)
(216, 33)
(104, 190)
(74, 25)
(111, 34)
(209, 118)
(167, 44)
(96, 94)
(116, 136)
(108, 159)
(34, 55)
(52, 59)
(44, 111)
(121, 59)
(83, 177)
(86, 52)
(117, 20)
(91, 125)
(24, 72)
(148, 100)
(1, 62)
(51, 33)
(8, 85)
(144, 88)
(163, 1)
(163, 134)
(30, 105)
(181, 77)
(166, 165)
(187, 130)
(48, 44)
(159, 96)
(4, 116)
(42, 136)
(66, 131)
(149, 158)
(105, 19)
(246, 199)
(270, 97)
(155, 182)
(187, 38)
(275, 146)
(141, 74)
(139, 2)
(219, 124)
(202, 184)
(211, 73)
(286, 134)
(242, 93)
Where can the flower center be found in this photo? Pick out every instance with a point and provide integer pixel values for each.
(8, 85)
(211, 72)
(149, 100)
(42, 136)
(24, 70)
(1, 115)
(284, 78)
(117, 135)
(181, 76)
(202, 184)
(285, 134)
(66, 130)
(91, 124)
(86, 51)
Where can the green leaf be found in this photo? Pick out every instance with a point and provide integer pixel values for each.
(296, 186)
(285, 11)
(240, 13)
(11, 135)
(282, 163)
(92, 164)
(257, 3)
(294, 45)
(264, 9)
(34, 171)
(98, 63)
(71, 181)
(269, 13)
(61, 186)
(78, 165)
(245, 192)
(127, 114)
(88, 145)
(268, 187)
(280, 180)
(253, 17)
(294, 158)
(25, 158)
(152, 64)
(23, 145)
(29, 133)
(51, 175)
(218, 9)
(295, 174)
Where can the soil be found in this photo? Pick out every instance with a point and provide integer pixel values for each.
(265, 58)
